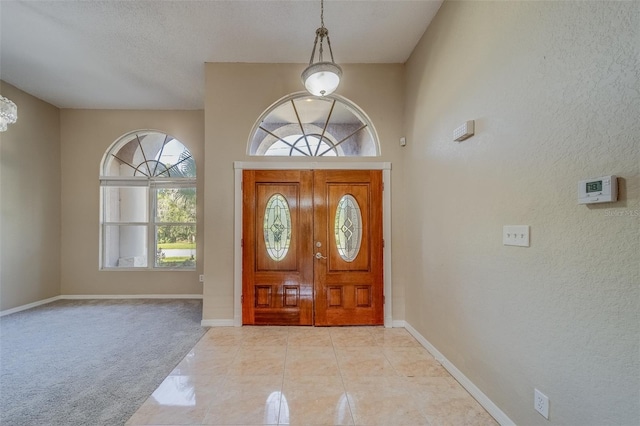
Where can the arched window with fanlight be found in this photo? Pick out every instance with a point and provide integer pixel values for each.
(305, 125)
(148, 203)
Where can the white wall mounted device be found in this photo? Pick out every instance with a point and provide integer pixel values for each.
(515, 235)
(598, 190)
(464, 131)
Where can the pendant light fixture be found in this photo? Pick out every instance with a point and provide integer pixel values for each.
(321, 78)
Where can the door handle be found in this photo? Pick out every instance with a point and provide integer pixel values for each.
(320, 256)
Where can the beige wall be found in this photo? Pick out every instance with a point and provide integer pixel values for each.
(30, 202)
(85, 136)
(553, 87)
(236, 95)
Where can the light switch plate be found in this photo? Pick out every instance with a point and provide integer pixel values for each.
(515, 235)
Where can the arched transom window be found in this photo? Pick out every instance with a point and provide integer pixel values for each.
(305, 125)
(148, 212)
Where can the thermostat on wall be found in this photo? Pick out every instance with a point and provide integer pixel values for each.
(598, 190)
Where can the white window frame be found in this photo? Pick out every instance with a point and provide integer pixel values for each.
(151, 223)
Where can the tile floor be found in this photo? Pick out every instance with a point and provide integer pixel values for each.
(310, 376)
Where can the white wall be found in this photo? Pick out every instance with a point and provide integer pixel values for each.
(554, 89)
(30, 202)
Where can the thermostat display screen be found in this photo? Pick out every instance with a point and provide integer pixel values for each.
(597, 189)
(594, 186)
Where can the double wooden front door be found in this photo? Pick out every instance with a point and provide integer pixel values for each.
(312, 247)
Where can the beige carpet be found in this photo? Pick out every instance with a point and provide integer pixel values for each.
(90, 362)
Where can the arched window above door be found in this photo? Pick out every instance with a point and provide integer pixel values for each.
(305, 125)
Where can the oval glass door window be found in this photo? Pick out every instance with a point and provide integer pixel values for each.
(348, 228)
(277, 227)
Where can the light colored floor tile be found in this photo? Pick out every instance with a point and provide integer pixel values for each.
(353, 337)
(394, 337)
(376, 401)
(269, 337)
(310, 336)
(247, 400)
(258, 360)
(222, 336)
(363, 361)
(168, 416)
(461, 412)
(445, 402)
(310, 376)
(311, 361)
(179, 400)
(207, 361)
(315, 401)
(412, 361)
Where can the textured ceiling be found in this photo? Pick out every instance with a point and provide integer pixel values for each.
(150, 54)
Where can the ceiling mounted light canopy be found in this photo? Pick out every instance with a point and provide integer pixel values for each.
(321, 78)
(8, 113)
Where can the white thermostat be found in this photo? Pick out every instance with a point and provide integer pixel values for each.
(598, 190)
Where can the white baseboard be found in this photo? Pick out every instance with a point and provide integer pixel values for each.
(218, 323)
(483, 399)
(398, 324)
(98, 296)
(129, 296)
(28, 306)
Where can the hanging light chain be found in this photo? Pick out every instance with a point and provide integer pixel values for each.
(321, 33)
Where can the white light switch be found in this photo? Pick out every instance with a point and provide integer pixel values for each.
(515, 235)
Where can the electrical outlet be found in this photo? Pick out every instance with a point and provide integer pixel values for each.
(541, 403)
(201, 278)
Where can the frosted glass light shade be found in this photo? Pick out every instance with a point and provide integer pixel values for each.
(321, 78)
(8, 113)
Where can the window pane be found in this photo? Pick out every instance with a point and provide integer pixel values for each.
(126, 204)
(150, 154)
(176, 246)
(125, 246)
(298, 145)
(177, 160)
(176, 205)
(343, 128)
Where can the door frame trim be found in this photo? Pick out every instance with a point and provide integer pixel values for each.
(239, 166)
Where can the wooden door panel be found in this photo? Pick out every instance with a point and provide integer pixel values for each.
(348, 292)
(280, 290)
